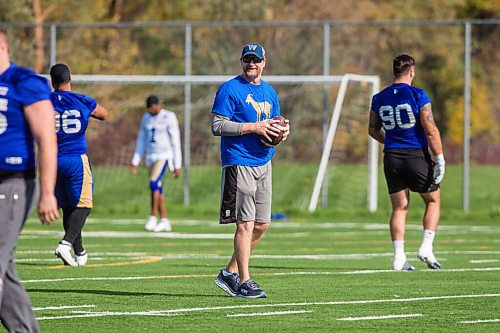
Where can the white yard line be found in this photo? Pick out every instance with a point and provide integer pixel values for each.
(92, 258)
(94, 253)
(307, 225)
(64, 307)
(480, 321)
(381, 317)
(277, 305)
(125, 278)
(105, 314)
(267, 313)
(130, 234)
(485, 261)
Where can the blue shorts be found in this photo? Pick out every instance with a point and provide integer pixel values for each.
(156, 172)
(75, 184)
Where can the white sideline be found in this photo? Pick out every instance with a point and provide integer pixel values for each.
(131, 254)
(255, 306)
(93, 259)
(337, 256)
(480, 321)
(64, 307)
(381, 317)
(124, 278)
(267, 313)
(130, 234)
(291, 224)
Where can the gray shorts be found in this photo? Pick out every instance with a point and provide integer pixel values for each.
(246, 194)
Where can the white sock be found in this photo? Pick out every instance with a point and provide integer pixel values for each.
(399, 248)
(427, 240)
(165, 220)
(152, 218)
(63, 242)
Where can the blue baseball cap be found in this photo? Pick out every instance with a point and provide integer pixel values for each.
(254, 49)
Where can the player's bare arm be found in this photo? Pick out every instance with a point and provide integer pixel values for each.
(40, 117)
(99, 113)
(375, 128)
(431, 129)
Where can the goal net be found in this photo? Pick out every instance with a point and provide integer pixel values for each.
(111, 143)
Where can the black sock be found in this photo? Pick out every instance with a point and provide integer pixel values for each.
(73, 221)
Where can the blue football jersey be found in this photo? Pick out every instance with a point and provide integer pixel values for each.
(72, 118)
(243, 102)
(398, 107)
(19, 87)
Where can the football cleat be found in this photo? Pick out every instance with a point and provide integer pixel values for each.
(250, 289)
(228, 283)
(81, 258)
(430, 260)
(63, 251)
(400, 264)
(151, 223)
(164, 225)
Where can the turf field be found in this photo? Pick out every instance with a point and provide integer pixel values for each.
(322, 275)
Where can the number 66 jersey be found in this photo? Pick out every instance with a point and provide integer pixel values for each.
(74, 186)
(398, 107)
(72, 118)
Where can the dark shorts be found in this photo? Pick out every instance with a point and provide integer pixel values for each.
(409, 168)
(246, 194)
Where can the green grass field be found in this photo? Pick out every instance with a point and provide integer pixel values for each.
(328, 271)
(315, 274)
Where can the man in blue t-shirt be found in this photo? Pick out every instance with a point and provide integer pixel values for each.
(242, 114)
(74, 184)
(401, 118)
(25, 114)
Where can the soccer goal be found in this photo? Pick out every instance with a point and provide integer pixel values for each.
(192, 95)
(328, 145)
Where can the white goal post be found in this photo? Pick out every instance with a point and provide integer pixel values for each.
(372, 148)
(189, 80)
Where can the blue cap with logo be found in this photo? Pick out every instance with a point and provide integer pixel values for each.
(253, 49)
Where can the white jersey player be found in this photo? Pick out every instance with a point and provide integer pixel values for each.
(159, 144)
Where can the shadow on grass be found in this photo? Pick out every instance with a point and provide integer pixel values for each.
(117, 293)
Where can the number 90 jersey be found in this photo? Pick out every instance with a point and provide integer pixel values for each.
(398, 108)
(72, 117)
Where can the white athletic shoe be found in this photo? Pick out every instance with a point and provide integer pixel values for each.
(63, 251)
(400, 264)
(81, 259)
(164, 225)
(151, 223)
(429, 259)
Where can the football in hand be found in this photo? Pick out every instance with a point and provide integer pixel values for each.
(274, 139)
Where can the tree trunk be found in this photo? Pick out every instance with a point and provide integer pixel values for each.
(38, 41)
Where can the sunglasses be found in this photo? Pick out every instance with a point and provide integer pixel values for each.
(248, 60)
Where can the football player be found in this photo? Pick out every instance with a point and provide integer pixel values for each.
(160, 143)
(401, 118)
(74, 187)
(25, 114)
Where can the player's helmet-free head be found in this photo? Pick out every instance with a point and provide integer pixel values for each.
(152, 100)
(402, 64)
(253, 49)
(59, 74)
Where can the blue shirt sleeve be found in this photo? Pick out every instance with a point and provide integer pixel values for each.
(224, 103)
(374, 106)
(422, 99)
(33, 89)
(277, 109)
(91, 103)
